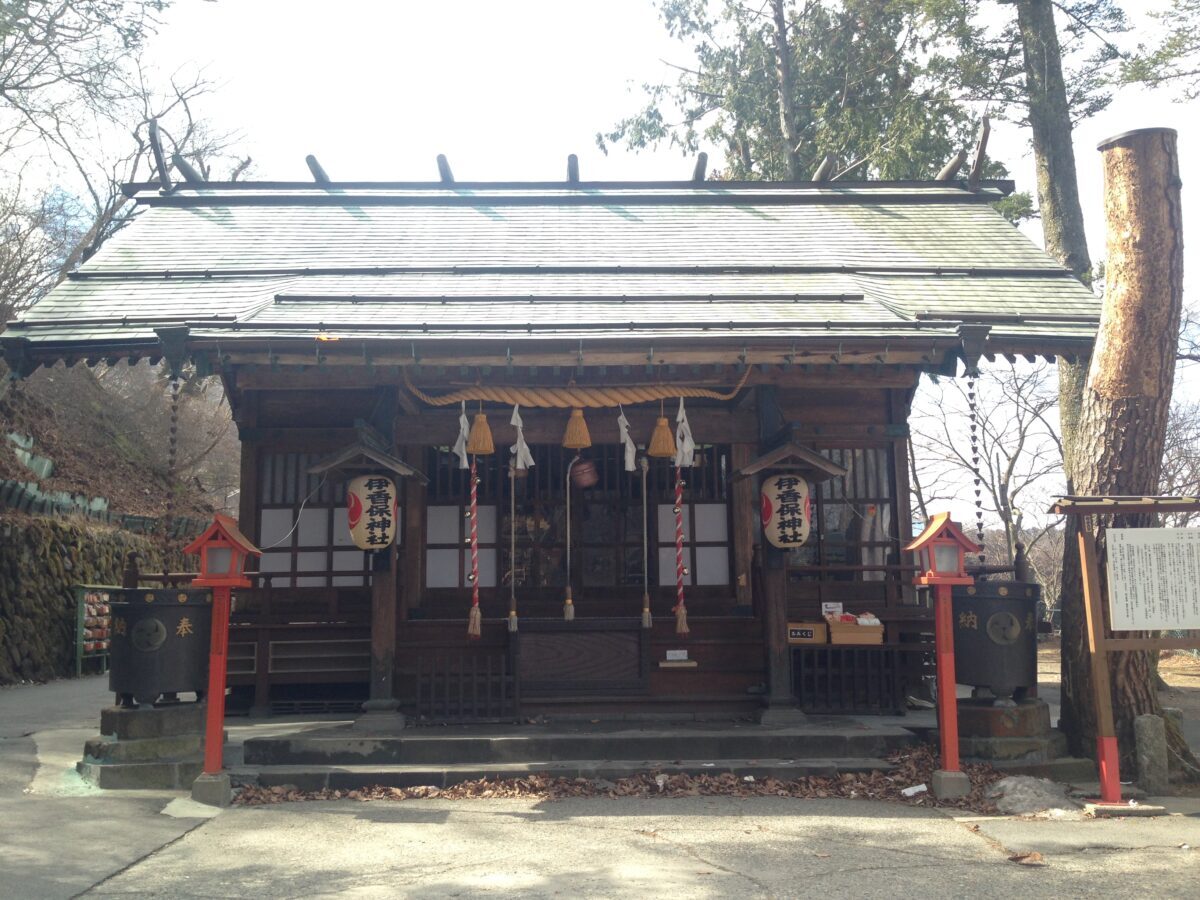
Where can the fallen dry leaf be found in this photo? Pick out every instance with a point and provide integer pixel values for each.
(913, 766)
(1032, 858)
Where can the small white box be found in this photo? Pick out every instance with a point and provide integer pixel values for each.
(676, 655)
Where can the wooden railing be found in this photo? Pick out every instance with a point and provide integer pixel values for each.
(466, 687)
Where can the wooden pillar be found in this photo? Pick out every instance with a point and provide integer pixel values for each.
(745, 513)
(412, 572)
(383, 632)
(781, 707)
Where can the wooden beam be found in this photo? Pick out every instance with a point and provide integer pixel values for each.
(318, 173)
(824, 171)
(1192, 643)
(950, 169)
(160, 160)
(744, 500)
(187, 170)
(976, 175)
(347, 377)
(407, 403)
(567, 358)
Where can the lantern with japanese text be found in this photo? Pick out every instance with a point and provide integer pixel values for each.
(786, 510)
(371, 511)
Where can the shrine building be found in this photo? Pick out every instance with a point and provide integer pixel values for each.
(526, 448)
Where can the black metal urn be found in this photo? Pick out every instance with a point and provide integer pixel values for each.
(159, 644)
(995, 636)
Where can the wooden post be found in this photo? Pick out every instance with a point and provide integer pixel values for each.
(745, 512)
(1107, 752)
(947, 686)
(214, 730)
(381, 697)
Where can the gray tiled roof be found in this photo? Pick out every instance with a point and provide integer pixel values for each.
(433, 262)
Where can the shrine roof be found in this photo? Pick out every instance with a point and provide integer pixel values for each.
(611, 262)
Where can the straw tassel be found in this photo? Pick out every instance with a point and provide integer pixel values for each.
(475, 623)
(577, 436)
(662, 443)
(682, 619)
(568, 607)
(480, 441)
(647, 619)
(512, 620)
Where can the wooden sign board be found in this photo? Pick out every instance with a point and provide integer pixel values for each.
(1154, 578)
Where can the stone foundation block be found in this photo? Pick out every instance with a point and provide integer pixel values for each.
(152, 722)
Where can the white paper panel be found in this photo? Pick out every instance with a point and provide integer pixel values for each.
(712, 565)
(275, 562)
(348, 560)
(487, 524)
(273, 524)
(666, 566)
(341, 528)
(441, 568)
(712, 523)
(313, 561)
(666, 525)
(313, 530)
(347, 581)
(443, 525)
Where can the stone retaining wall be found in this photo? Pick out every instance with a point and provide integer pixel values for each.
(40, 559)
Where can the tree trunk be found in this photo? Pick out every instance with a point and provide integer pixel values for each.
(1127, 399)
(1066, 241)
(787, 93)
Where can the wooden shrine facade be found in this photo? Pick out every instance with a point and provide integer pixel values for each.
(807, 312)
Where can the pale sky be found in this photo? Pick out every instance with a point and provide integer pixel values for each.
(506, 90)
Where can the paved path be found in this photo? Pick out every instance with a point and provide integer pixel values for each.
(61, 838)
(691, 847)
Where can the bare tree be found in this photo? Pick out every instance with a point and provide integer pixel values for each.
(1020, 451)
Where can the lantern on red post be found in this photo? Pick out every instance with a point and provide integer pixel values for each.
(223, 551)
(941, 559)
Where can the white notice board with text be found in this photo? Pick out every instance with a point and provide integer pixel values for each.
(1154, 578)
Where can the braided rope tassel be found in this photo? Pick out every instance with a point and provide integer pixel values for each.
(680, 610)
(475, 619)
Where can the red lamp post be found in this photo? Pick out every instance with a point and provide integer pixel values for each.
(941, 554)
(223, 551)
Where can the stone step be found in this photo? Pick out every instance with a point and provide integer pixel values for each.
(106, 749)
(353, 777)
(425, 747)
(176, 775)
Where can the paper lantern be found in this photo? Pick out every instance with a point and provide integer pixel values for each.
(786, 510)
(371, 511)
(577, 436)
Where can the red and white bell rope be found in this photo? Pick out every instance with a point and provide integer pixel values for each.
(680, 608)
(475, 620)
